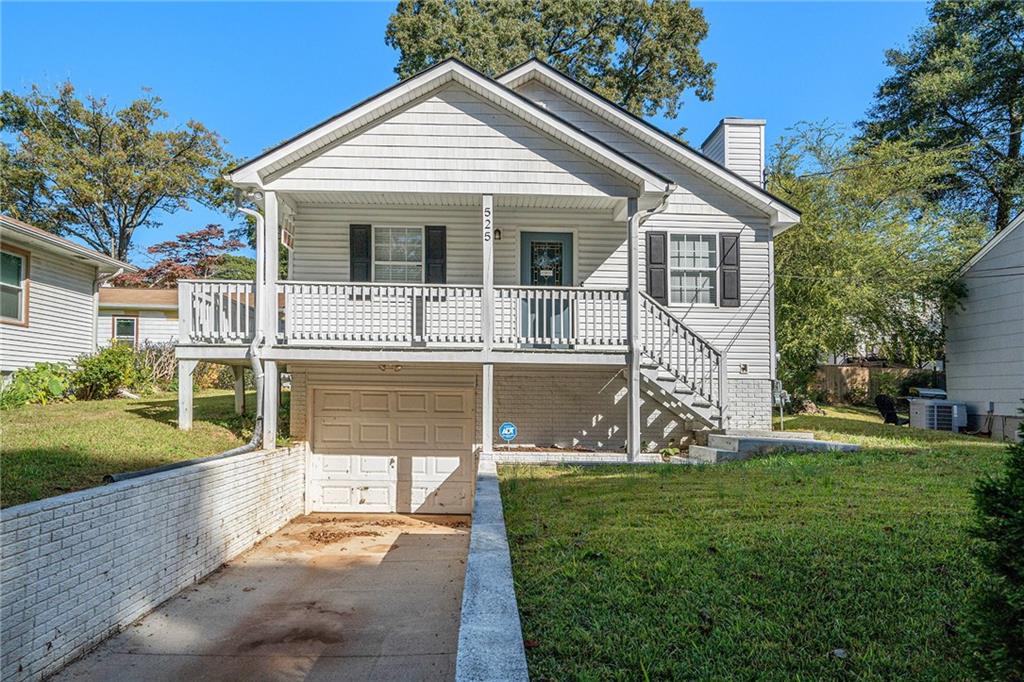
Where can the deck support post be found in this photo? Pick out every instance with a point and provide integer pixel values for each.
(239, 372)
(633, 330)
(271, 239)
(487, 405)
(487, 304)
(270, 403)
(185, 370)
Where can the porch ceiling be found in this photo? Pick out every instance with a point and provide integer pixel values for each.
(436, 200)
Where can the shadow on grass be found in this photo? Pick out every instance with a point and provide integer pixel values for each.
(214, 409)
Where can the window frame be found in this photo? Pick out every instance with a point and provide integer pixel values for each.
(114, 338)
(24, 286)
(373, 253)
(715, 271)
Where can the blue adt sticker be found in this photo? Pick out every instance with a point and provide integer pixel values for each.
(508, 431)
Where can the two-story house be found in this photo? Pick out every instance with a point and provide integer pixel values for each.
(466, 251)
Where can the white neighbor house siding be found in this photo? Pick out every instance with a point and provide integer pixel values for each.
(453, 141)
(985, 338)
(61, 312)
(153, 326)
(697, 207)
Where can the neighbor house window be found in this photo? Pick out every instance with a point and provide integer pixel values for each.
(397, 254)
(693, 266)
(124, 330)
(14, 286)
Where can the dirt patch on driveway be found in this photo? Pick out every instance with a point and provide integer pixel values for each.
(329, 596)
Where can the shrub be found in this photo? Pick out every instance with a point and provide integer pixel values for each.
(922, 379)
(999, 606)
(43, 383)
(159, 359)
(103, 374)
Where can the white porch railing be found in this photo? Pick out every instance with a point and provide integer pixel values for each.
(217, 311)
(399, 314)
(560, 316)
(682, 352)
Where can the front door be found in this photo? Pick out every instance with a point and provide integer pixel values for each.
(546, 261)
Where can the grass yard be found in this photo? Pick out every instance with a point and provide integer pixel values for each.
(818, 566)
(48, 450)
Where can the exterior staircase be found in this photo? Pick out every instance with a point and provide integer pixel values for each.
(686, 372)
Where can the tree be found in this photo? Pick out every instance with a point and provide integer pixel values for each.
(640, 54)
(998, 625)
(202, 254)
(960, 83)
(870, 261)
(81, 168)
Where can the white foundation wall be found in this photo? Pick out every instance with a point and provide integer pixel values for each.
(750, 404)
(78, 567)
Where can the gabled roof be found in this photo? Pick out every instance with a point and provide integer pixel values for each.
(992, 243)
(783, 215)
(262, 169)
(51, 242)
(138, 297)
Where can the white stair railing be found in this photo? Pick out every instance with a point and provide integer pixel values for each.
(683, 353)
(217, 311)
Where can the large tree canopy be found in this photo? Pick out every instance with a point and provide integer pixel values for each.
(81, 168)
(960, 83)
(870, 261)
(203, 254)
(641, 54)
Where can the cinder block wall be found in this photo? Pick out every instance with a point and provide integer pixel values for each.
(78, 567)
(750, 404)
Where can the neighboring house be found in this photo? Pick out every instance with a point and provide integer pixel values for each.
(985, 335)
(137, 316)
(467, 251)
(48, 295)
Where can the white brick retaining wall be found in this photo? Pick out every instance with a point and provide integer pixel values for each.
(78, 567)
(750, 404)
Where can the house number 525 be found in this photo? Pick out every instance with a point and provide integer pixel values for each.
(488, 221)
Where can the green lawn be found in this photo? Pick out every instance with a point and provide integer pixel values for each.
(47, 450)
(786, 567)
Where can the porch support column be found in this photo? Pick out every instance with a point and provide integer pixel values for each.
(487, 405)
(239, 373)
(270, 402)
(487, 304)
(185, 370)
(633, 330)
(271, 240)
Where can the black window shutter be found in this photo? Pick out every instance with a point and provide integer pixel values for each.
(729, 296)
(359, 243)
(657, 266)
(437, 254)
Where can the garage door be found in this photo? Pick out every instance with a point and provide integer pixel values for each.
(406, 450)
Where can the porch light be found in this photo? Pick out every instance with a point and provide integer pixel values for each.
(497, 234)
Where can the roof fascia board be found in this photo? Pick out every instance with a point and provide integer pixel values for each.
(781, 216)
(55, 243)
(991, 244)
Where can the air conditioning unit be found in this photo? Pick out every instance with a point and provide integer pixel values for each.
(938, 415)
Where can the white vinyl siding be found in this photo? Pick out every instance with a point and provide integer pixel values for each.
(453, 141)
(154, 326)
(61, 312)
(985, 337)
(744, 155)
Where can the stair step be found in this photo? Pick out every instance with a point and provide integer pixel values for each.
(666, 376)
(764, 433)
(682, 389)
(752, 444)
(711, 455)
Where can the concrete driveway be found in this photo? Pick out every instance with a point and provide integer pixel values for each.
(328, 597)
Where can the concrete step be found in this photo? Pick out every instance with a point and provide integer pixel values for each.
(752, 444)
(709, 455)
(763, 433)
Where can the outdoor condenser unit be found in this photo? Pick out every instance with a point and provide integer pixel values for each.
(938, 415)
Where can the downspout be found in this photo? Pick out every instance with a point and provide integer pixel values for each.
(257, 370)
(96, 284)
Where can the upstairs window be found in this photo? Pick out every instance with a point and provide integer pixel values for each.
(693, 269)
(398, 254)
(14, 286)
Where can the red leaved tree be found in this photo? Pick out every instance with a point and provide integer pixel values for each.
(192, 255)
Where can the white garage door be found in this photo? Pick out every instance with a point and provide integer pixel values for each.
(406, 450)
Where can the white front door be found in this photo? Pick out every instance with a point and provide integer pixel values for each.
(406, 449)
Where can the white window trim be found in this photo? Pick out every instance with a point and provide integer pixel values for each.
(114, 338)
(373, 252)
(21, 286)
(716, 270)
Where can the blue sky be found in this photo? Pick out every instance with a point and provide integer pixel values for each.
(260, 72)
